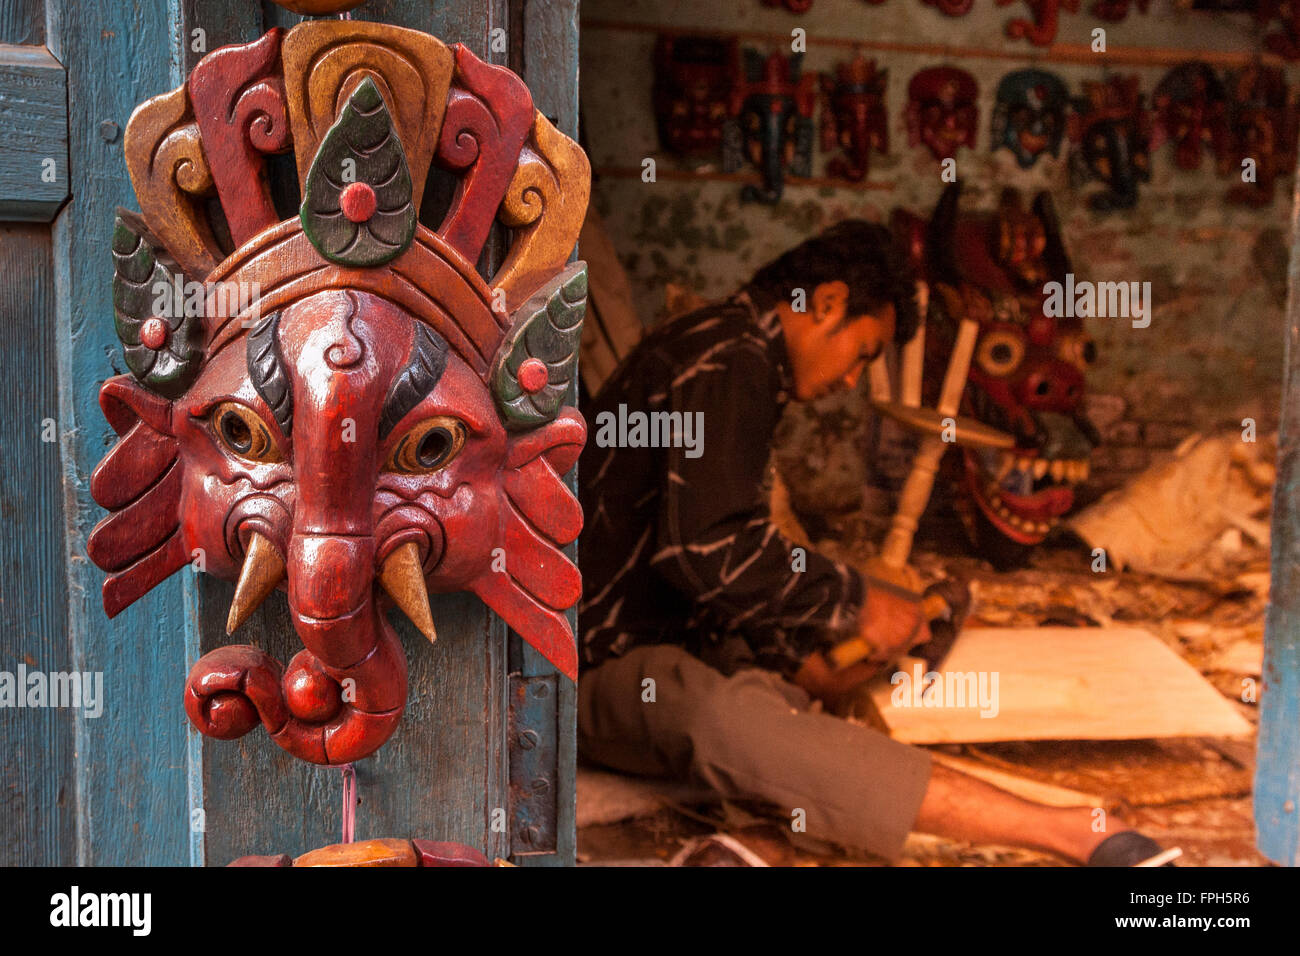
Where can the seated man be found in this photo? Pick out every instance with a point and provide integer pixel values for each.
(701, 644)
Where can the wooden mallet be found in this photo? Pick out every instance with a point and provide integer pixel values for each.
(940, 428)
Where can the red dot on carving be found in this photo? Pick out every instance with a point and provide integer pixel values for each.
(358, 202)
(533, 375)
(154, 333)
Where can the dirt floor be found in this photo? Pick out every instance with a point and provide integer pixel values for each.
(1194, 794)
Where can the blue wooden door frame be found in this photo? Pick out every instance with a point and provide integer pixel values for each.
(137, 785)
(1277, 761)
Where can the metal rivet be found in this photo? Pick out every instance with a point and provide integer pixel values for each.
(541, 690)
(527, 739)
(109, 131)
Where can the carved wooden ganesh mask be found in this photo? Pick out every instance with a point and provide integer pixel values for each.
(347, 409)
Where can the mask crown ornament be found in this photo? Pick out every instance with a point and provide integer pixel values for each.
(336, 402)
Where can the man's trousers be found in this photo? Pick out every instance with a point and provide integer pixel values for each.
(751, 735)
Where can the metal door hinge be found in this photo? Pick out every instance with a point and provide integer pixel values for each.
(533, 764)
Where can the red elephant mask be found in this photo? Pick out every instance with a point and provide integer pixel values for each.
(346, 409)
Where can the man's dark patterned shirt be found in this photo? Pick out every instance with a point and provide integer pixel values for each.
(679, 545)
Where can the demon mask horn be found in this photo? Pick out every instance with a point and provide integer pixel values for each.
(337, 403)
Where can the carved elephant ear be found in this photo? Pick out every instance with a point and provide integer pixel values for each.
(162, 339)
(536, 363)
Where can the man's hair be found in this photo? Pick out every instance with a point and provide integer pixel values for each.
(861, 254)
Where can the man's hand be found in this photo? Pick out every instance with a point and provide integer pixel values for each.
(891, 623)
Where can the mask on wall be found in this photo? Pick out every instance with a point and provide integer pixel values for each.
(1111, 129)
(1030, 115)
(1286, 41)
(694, 77)
(1040, 28)
(349, 412)
(941, 110)
(1190, 112)
(1028, 375)
(771, 123)
(1261, 122)
(854, 118)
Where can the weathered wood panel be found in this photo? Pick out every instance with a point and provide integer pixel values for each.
(1277, 762)
(130, 767)
(33, 115)
(22, 21)
(547, 59)
(37, 795)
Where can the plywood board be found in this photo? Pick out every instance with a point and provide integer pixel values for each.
(1045, 793)
(1053, 683)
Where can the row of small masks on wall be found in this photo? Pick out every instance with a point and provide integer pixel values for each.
(706, 106)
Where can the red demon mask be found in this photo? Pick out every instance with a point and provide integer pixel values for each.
(942, 111)
(1028, 374)
(346, 409)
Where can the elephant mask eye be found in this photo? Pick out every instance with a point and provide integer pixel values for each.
(428, 447)
(241, 431)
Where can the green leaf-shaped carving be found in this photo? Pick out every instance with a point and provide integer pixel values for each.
(547, 327)
(362, 146)
(147, 284)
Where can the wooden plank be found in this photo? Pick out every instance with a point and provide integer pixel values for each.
(434, 779)
(37, 798)
(1277, 774)
(1054, 683)
(547, 59)
(34, 117)
(130, 797)
(22, 21)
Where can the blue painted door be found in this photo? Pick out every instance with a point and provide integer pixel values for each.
(134, 784)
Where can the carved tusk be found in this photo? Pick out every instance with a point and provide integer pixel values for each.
(263, 569)
(403, 579)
